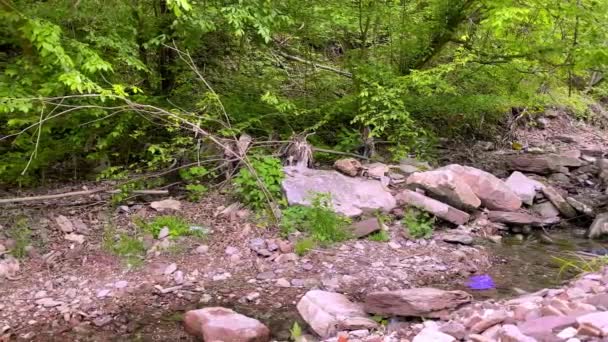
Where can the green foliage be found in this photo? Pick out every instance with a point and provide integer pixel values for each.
(303, 246)
(581, 264)
(263, 185)
(418, 223)
(406, 71)
(295, 331)
(177, 226)
(193, 176)
(22, 236)
(380, 236)
(319, 222)
(128, 247)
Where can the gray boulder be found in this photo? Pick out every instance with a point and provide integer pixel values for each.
(448, 187)
(599, 226)
(523, 186)
(350, 196)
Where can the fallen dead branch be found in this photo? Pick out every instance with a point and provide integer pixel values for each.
(78, 193)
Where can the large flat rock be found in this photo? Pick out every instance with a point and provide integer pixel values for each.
(416, 302)
(350, 196)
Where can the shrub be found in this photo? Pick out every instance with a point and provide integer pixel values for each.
(130, 248)
(268, 171)
(319, 221)
(380, 236)
(418, 223)
(302, 246)
(193, 177)
(22, 235)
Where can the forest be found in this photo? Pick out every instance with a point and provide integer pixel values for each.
(101, 89)
(303, 170)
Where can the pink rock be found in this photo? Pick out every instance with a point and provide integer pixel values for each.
(221, 324)
(489, 320)
(448, 187)
(418, 302)
(523, 186)
(597, 320)
(544, 326)
(348, 166)
(559, 201)
(520, 218)
(439, 209)
(493, 192)
(511, 333)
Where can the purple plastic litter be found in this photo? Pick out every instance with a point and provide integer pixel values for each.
(481, 282)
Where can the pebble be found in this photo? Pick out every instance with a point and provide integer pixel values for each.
(48, 302)
(395, 245)
(253, 296)
(221, 276)
(202, 249)
(170, 269)
(103, 293)
(40, 294)
(230, 250)
(282, 282)
(164, 232)
(265, 275)
(206, 298)
(121, 284)
(178, 277)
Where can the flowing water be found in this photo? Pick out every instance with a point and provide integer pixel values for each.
(532, 263)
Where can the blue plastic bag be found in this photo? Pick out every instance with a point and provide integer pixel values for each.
(481, 282)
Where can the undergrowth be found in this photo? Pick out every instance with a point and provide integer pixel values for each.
(130, 248)
(320, 224)
(579, 264)
(418, 223)
(21, 235)
(268, 171)
(177, 226)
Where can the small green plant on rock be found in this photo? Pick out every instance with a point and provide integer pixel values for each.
(418, 223)
(319, 222)
(380, 236)
(176, 225)
(303, 246)
(268, 171)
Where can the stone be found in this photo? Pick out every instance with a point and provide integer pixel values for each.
(489, 319)
(9, 267)
(282, 282)
(462, 239)
(222, 324)
(348, 166)
(78, 238)
(541, 164)
(365, 227)
(231, 250)
(546, 210)
(511, 333)
(202, 249)
(602, 164)
(48, 302)
(447, 187)
(454, 329)
(567, 333)
(546, 325)
(285, 258)
(285, 246)
(163, 233)
(103, 293)
(523, 186)
(559, 202)
(597, 320)
(493, 192)
(418, 302)
(432, 335)
(170, 269)
(599, 226)
(328, 312)
(581, 207)
(588, 330)
(519, 218)
(65, 225)
(376, 170)
(168, 204)
(265, 275)
(350, 196)
(439, 209)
